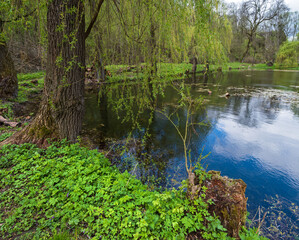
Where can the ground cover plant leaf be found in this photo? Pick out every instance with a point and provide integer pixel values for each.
(66, 187)
(70, 188)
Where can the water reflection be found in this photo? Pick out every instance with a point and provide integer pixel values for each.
(269, 152)
(253, 135)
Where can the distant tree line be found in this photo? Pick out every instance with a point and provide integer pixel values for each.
(259, 28)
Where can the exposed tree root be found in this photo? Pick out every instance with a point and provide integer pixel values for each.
(38, 131)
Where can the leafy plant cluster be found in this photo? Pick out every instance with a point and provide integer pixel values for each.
(288, 55)
(5, 135)
(69, 187)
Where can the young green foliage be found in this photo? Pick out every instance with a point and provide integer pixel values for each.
(45, 189)
(288, 54)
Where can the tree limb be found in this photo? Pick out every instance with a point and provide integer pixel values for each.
(93, 20)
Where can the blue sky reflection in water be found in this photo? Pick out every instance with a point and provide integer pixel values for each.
(265, 156)
(253, 135)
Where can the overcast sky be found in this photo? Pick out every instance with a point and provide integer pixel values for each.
(292, 4)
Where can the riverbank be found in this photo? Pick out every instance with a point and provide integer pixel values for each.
(169, 71)
(70, 191)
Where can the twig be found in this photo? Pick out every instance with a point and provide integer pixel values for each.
(132, 173)
(258, 229)
(254, 218)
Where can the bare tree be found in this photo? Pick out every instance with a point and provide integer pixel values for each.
(254, 13)
(294, 24)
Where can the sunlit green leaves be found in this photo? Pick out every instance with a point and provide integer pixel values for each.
(43, 190)
(68, 184)
(288, 54)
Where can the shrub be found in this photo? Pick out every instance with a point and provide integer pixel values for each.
(288, 54)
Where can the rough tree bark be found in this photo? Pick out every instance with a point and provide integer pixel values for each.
(8, 74)
(61, 109)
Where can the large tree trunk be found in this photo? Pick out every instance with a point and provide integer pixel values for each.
(8, 74)
(61, 111)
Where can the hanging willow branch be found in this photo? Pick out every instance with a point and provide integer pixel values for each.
(123, 24)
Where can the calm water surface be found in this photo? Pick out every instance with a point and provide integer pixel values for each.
(252, 135)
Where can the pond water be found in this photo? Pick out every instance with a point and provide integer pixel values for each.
(253, 134)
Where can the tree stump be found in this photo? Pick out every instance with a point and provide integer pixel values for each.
(229, 200)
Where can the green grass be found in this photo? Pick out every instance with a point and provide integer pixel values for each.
(177, 70)
(263, 66)
(30, 76)
(70, 192)
(170, 71)
(166, 72)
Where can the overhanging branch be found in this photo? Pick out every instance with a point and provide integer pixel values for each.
(93, 20)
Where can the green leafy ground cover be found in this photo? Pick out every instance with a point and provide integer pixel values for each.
(69, 190)
(27, 87)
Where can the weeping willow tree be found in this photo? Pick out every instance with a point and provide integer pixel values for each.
(151, 32)
(211, 32)
(147, 33)
(128, 31)
(141, 31)
(288, 54)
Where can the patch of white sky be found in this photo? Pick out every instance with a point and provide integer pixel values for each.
(292, 4)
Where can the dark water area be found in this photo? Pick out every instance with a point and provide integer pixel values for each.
(253, 134)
